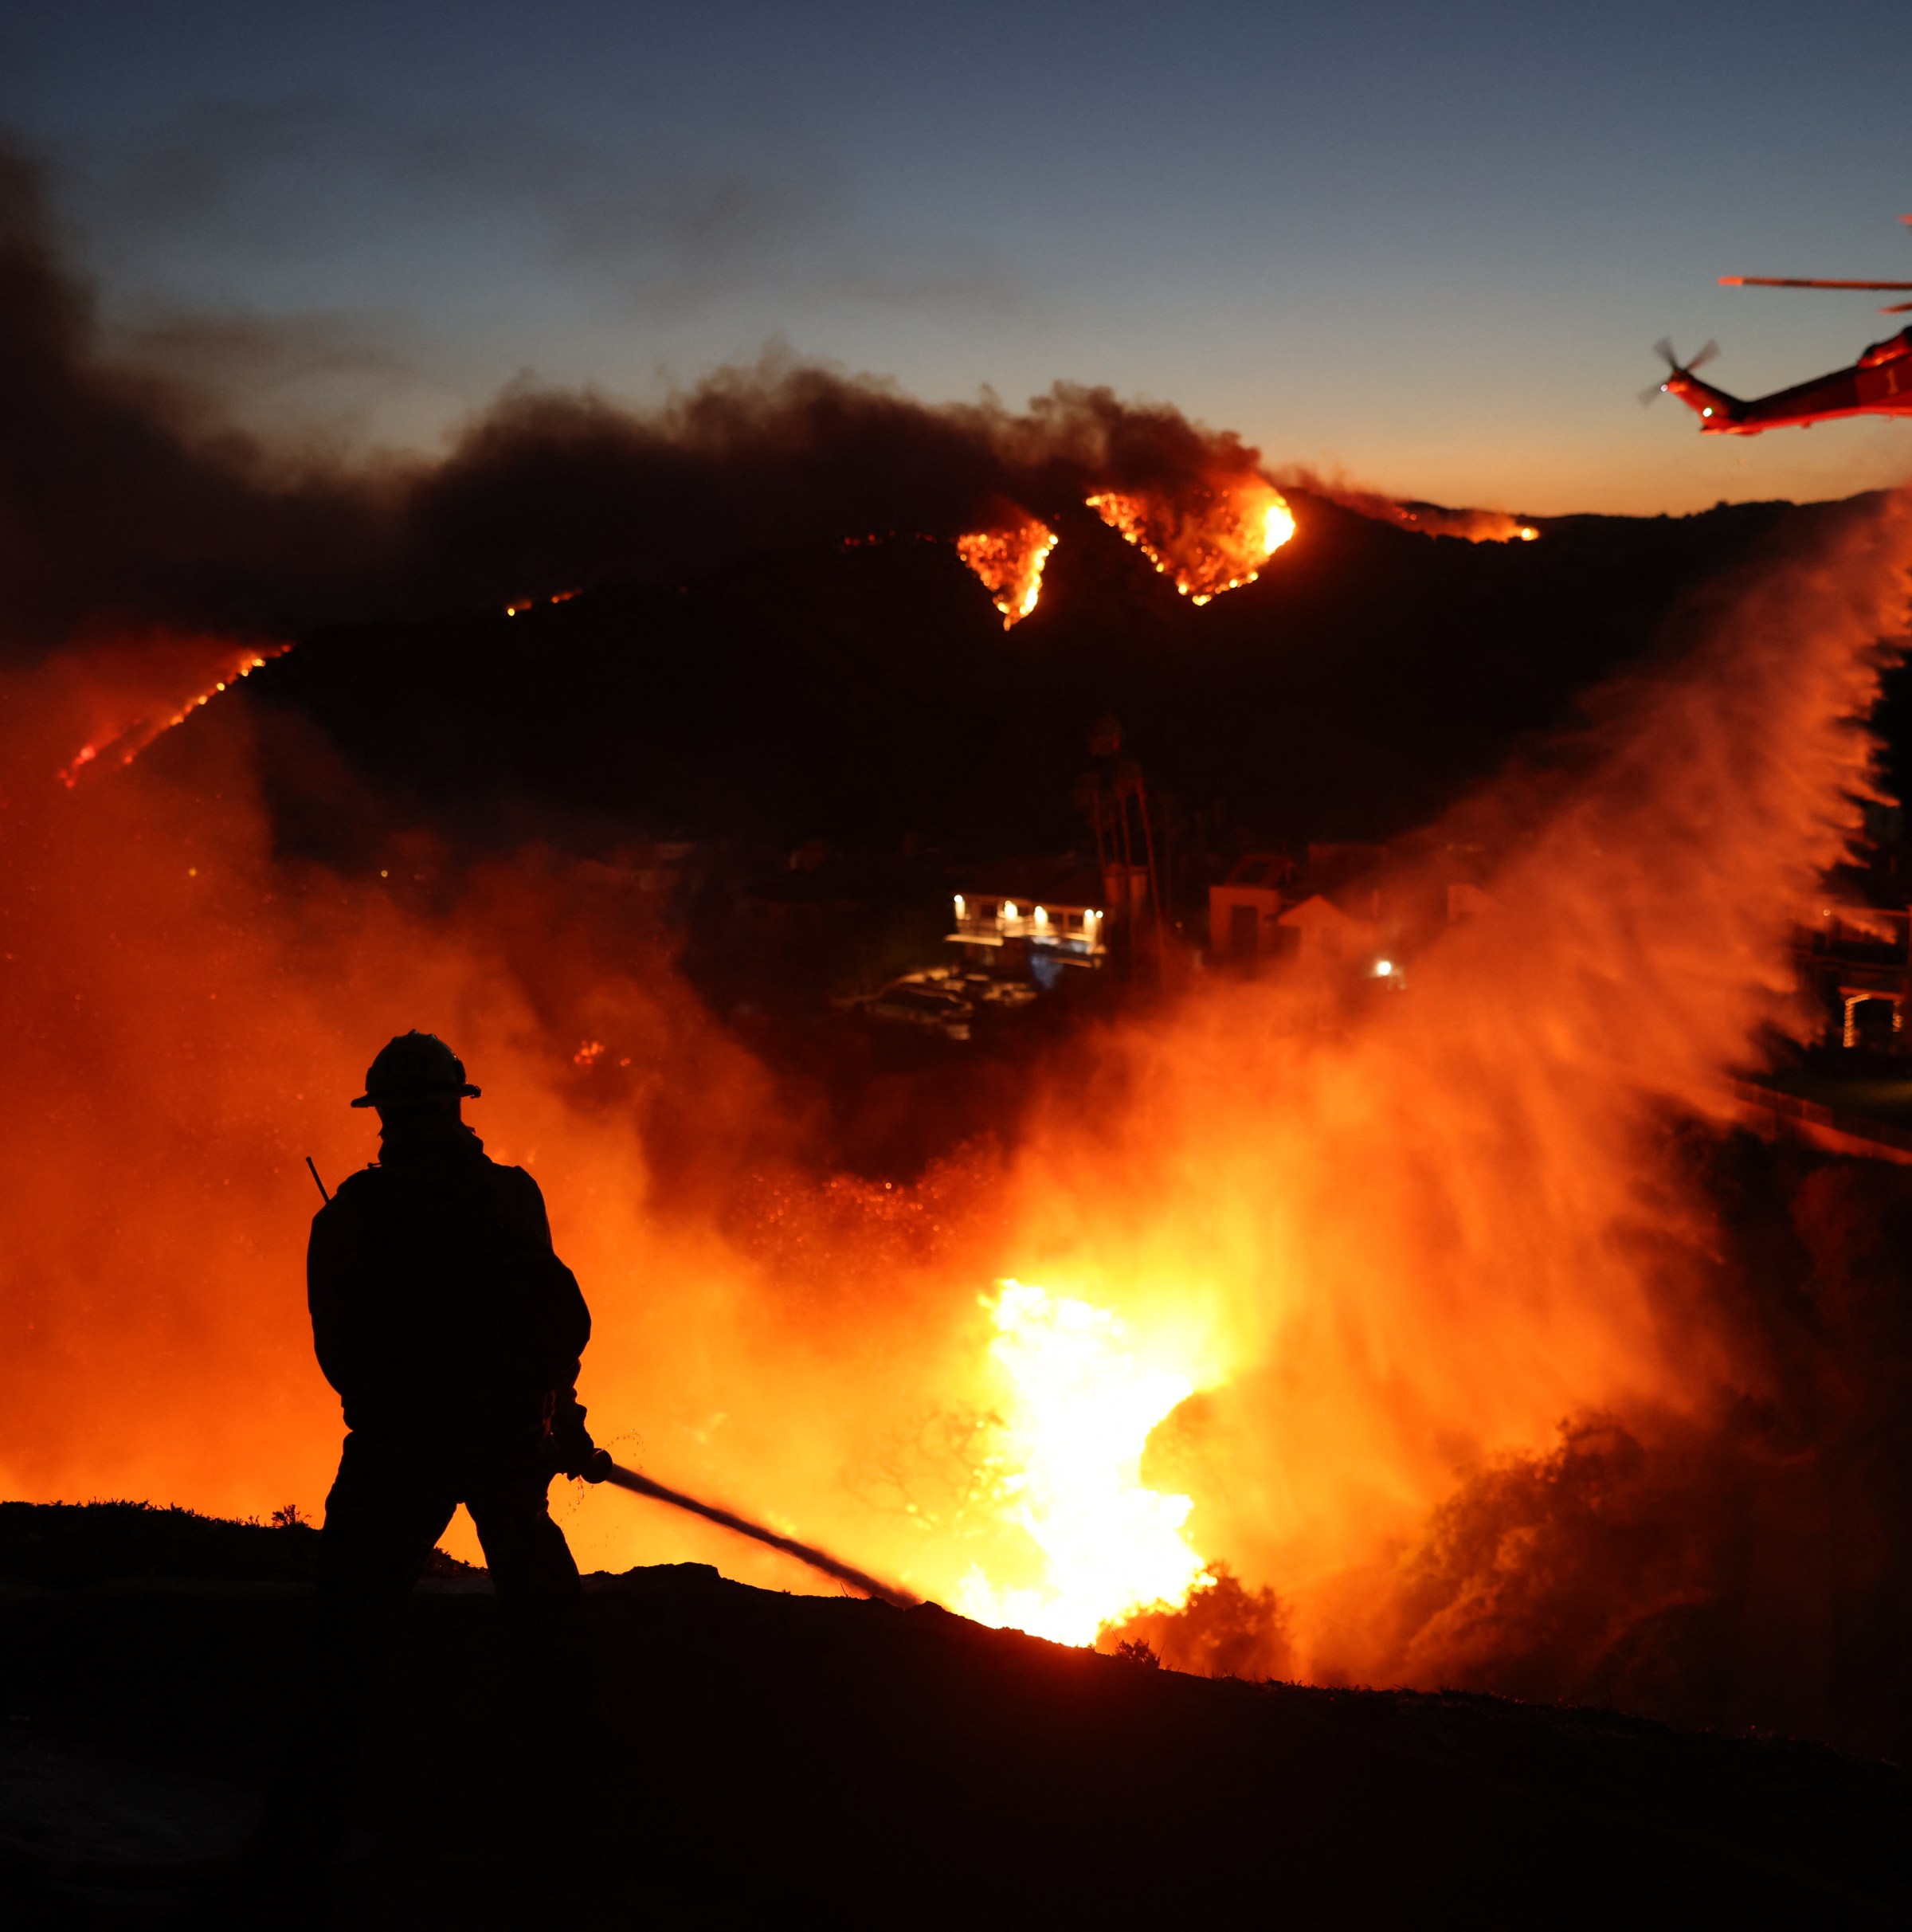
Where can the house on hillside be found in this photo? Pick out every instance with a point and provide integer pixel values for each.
(1327, 912)
(1245, 908)
(1857, 960)
(1033, 920)
(1326, 932)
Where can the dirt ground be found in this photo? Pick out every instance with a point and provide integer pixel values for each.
(743, 1756)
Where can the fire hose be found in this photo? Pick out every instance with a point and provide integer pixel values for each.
(817, 1559)
(805, 1553)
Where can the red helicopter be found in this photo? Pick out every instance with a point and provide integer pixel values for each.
(1879, 384)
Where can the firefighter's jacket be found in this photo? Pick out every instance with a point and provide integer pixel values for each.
(438, 1307)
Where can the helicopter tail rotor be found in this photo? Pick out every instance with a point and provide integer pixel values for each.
(1665, 351)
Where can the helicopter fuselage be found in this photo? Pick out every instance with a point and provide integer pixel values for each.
(1879, 384)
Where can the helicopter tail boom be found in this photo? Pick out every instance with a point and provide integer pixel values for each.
(1720, 414)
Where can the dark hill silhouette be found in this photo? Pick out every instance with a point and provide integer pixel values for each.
(861, 692)
(729, 665)
(753, 1758)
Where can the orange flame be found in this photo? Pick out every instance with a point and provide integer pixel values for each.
(519, 606)
(1008, 562)
(1213, 540)
(132, 684)
(1470, 526)
(1080, 1400)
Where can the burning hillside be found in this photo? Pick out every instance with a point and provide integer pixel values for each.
(129, 503)
(1429, 520)
(1008, 561)
(1287, 1313)
(1219, 544)
(134, 685)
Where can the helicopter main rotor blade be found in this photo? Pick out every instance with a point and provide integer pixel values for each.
(1668, 354)
(1798, 281)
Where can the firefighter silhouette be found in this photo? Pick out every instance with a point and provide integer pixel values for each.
(452, 1334)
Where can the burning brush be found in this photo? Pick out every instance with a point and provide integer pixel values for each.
(1008, 561)
(1204, 542)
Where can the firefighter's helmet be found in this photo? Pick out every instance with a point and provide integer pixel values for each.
(414, 1066)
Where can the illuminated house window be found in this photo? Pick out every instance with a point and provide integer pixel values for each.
(1856, 960)
(1056, 919)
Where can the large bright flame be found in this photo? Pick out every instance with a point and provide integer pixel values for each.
(1205, 542)
(1009, 561)
(1078, 1402)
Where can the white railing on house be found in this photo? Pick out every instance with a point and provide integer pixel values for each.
(991, 921)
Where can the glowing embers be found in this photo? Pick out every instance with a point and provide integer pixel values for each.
(1204, 541)
(1470, 526)
(1078, 1402)
(520, 605)
(1009, 561)
(131, 685)
(1430, 519)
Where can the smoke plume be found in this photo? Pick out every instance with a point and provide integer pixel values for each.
(128, 500)
(125, 499)
(1511, 1348)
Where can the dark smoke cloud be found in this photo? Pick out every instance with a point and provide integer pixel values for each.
(124, 500)
(238, 350)
(112, 507)
(550, 488)
(643, 229)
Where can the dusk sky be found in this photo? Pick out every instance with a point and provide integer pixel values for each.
(1429, 247)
